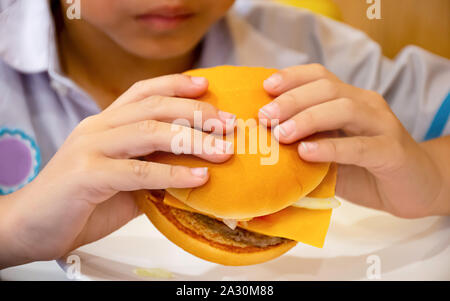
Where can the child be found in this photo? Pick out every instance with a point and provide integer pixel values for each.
(70, 124)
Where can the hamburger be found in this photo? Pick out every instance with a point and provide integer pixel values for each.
(248, 212)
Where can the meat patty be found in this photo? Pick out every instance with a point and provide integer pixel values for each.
(217, 231)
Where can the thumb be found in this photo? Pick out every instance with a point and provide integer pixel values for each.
(367, 152)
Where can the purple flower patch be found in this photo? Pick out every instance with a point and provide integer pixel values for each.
(19, 160)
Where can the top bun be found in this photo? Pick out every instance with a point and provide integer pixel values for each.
(242, 187)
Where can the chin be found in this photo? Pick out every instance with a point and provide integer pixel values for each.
(160, 48)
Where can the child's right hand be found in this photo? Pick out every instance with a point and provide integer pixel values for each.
(83, 192)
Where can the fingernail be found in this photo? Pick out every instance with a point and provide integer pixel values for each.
(308, 147)
(199, 171)
(227, 117)
(223, 146)
(286, 129)
(270, 111)
(199, 81)
(273, 81)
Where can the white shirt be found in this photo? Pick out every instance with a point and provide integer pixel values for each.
(39, 106)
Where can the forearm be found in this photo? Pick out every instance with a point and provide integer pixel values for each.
(9, 251)
(439, 152)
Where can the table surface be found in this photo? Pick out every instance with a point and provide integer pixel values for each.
(402, 249)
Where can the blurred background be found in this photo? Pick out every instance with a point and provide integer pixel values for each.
(425, 23)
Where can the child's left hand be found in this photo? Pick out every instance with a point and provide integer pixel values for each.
(383, 166)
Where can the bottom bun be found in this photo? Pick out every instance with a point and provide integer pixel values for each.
(208, 238)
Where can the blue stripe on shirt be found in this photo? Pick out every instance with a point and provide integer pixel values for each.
(440, 120)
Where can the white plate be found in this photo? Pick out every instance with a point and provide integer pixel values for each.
(403, 250)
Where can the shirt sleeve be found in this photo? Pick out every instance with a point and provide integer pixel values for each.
(416, 83)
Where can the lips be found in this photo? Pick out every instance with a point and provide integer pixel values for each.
(165, 18)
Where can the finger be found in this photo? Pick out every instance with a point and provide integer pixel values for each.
(290, 103)
(145, 137)
(131, 175)
(367, 152)
(198, 114)
(353, 118)
(295, 76)
(177, 85)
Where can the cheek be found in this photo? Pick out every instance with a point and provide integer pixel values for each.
(102, 13)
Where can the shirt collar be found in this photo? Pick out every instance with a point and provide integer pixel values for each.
(27, 31)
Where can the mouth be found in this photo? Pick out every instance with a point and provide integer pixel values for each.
(165, 18)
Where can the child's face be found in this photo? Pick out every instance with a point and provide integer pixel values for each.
(154, 29)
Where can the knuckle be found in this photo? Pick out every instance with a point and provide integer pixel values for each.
(176, 82)
(376, 101)
(87, 123)
(139, 85)
(174, 175)
(198, 106)
(173, 171)
(81, 142)
(309, 119)
(155, 101)
(285, 73)
(149, 126)
(288, 98)
(360, 146)
(377, 98)
(329, 87)
(320, 70)
(140, 169)
(349, 107)
(180, 78)
(334, 150)
(347, 103)
(331, 149)
(207, 108)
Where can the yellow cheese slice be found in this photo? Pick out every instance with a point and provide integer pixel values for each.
(303, 225)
